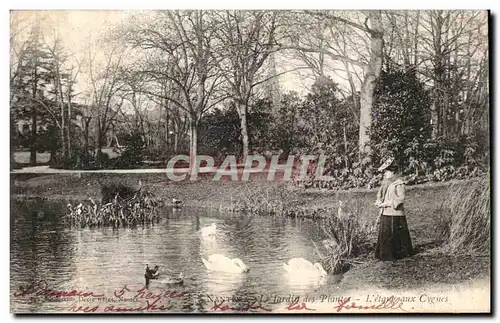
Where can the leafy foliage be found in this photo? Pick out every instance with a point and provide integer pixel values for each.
(220, 132)
(133, 153)
(401, 115)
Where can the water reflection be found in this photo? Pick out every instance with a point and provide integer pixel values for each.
(221, 283)
(298, 281)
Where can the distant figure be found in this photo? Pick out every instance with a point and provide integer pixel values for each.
(394, 240)
(40, 214)
(340, 210)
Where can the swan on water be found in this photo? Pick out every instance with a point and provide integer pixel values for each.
(304, 267)
(210, 230)
(218, 262)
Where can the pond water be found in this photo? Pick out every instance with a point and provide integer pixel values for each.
(49, 254)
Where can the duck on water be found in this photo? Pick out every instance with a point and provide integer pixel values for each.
(154, 274)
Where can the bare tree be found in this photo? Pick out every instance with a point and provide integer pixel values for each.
(177, 47)
(452, 59)
(246, 39)
(370, 34)
(58, 59)
(105, 85)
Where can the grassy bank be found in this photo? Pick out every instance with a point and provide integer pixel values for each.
(425, 205)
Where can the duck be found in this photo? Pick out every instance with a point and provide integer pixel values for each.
(177, 203)
(218, 262)
(210, 230)
(151, 274)
(304, 267)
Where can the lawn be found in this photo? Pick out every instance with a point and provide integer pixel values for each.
(23, 157)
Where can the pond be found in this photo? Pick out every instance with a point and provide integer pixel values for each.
(49, 254)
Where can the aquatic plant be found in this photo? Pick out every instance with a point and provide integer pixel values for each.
(464, 222)
(139, 209)
(350, 233)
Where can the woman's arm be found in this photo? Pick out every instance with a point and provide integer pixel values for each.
(400, 196)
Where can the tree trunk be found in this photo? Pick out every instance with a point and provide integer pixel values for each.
(444, 114)
(168, 140)
(33, 147)
(62, 131)
(437, 110)
(60, 98)
(68, 127)
(415, 41)
(274, 86)
(100, 137)
(371, 78)
(242, 111)
(434, 117)
(86, 134)
(193, 141)
(63, 147)
(194, 144)
(176, 142)
(13, 140)
(100, 143)
(355, 102)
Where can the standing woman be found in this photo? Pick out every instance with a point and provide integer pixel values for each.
(394, 240)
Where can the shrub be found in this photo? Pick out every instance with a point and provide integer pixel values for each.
(401, 114)
(133, 153)
(464, 222)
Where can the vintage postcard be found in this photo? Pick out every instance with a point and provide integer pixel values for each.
(264, 161)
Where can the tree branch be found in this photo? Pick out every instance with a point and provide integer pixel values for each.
(331, 55)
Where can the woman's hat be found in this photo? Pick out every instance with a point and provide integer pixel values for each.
(386, 164)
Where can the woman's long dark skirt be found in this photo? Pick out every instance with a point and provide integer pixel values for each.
(394, 240)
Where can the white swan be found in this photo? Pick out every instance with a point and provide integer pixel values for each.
(218, 262)
(304, 267)
(210, 230)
